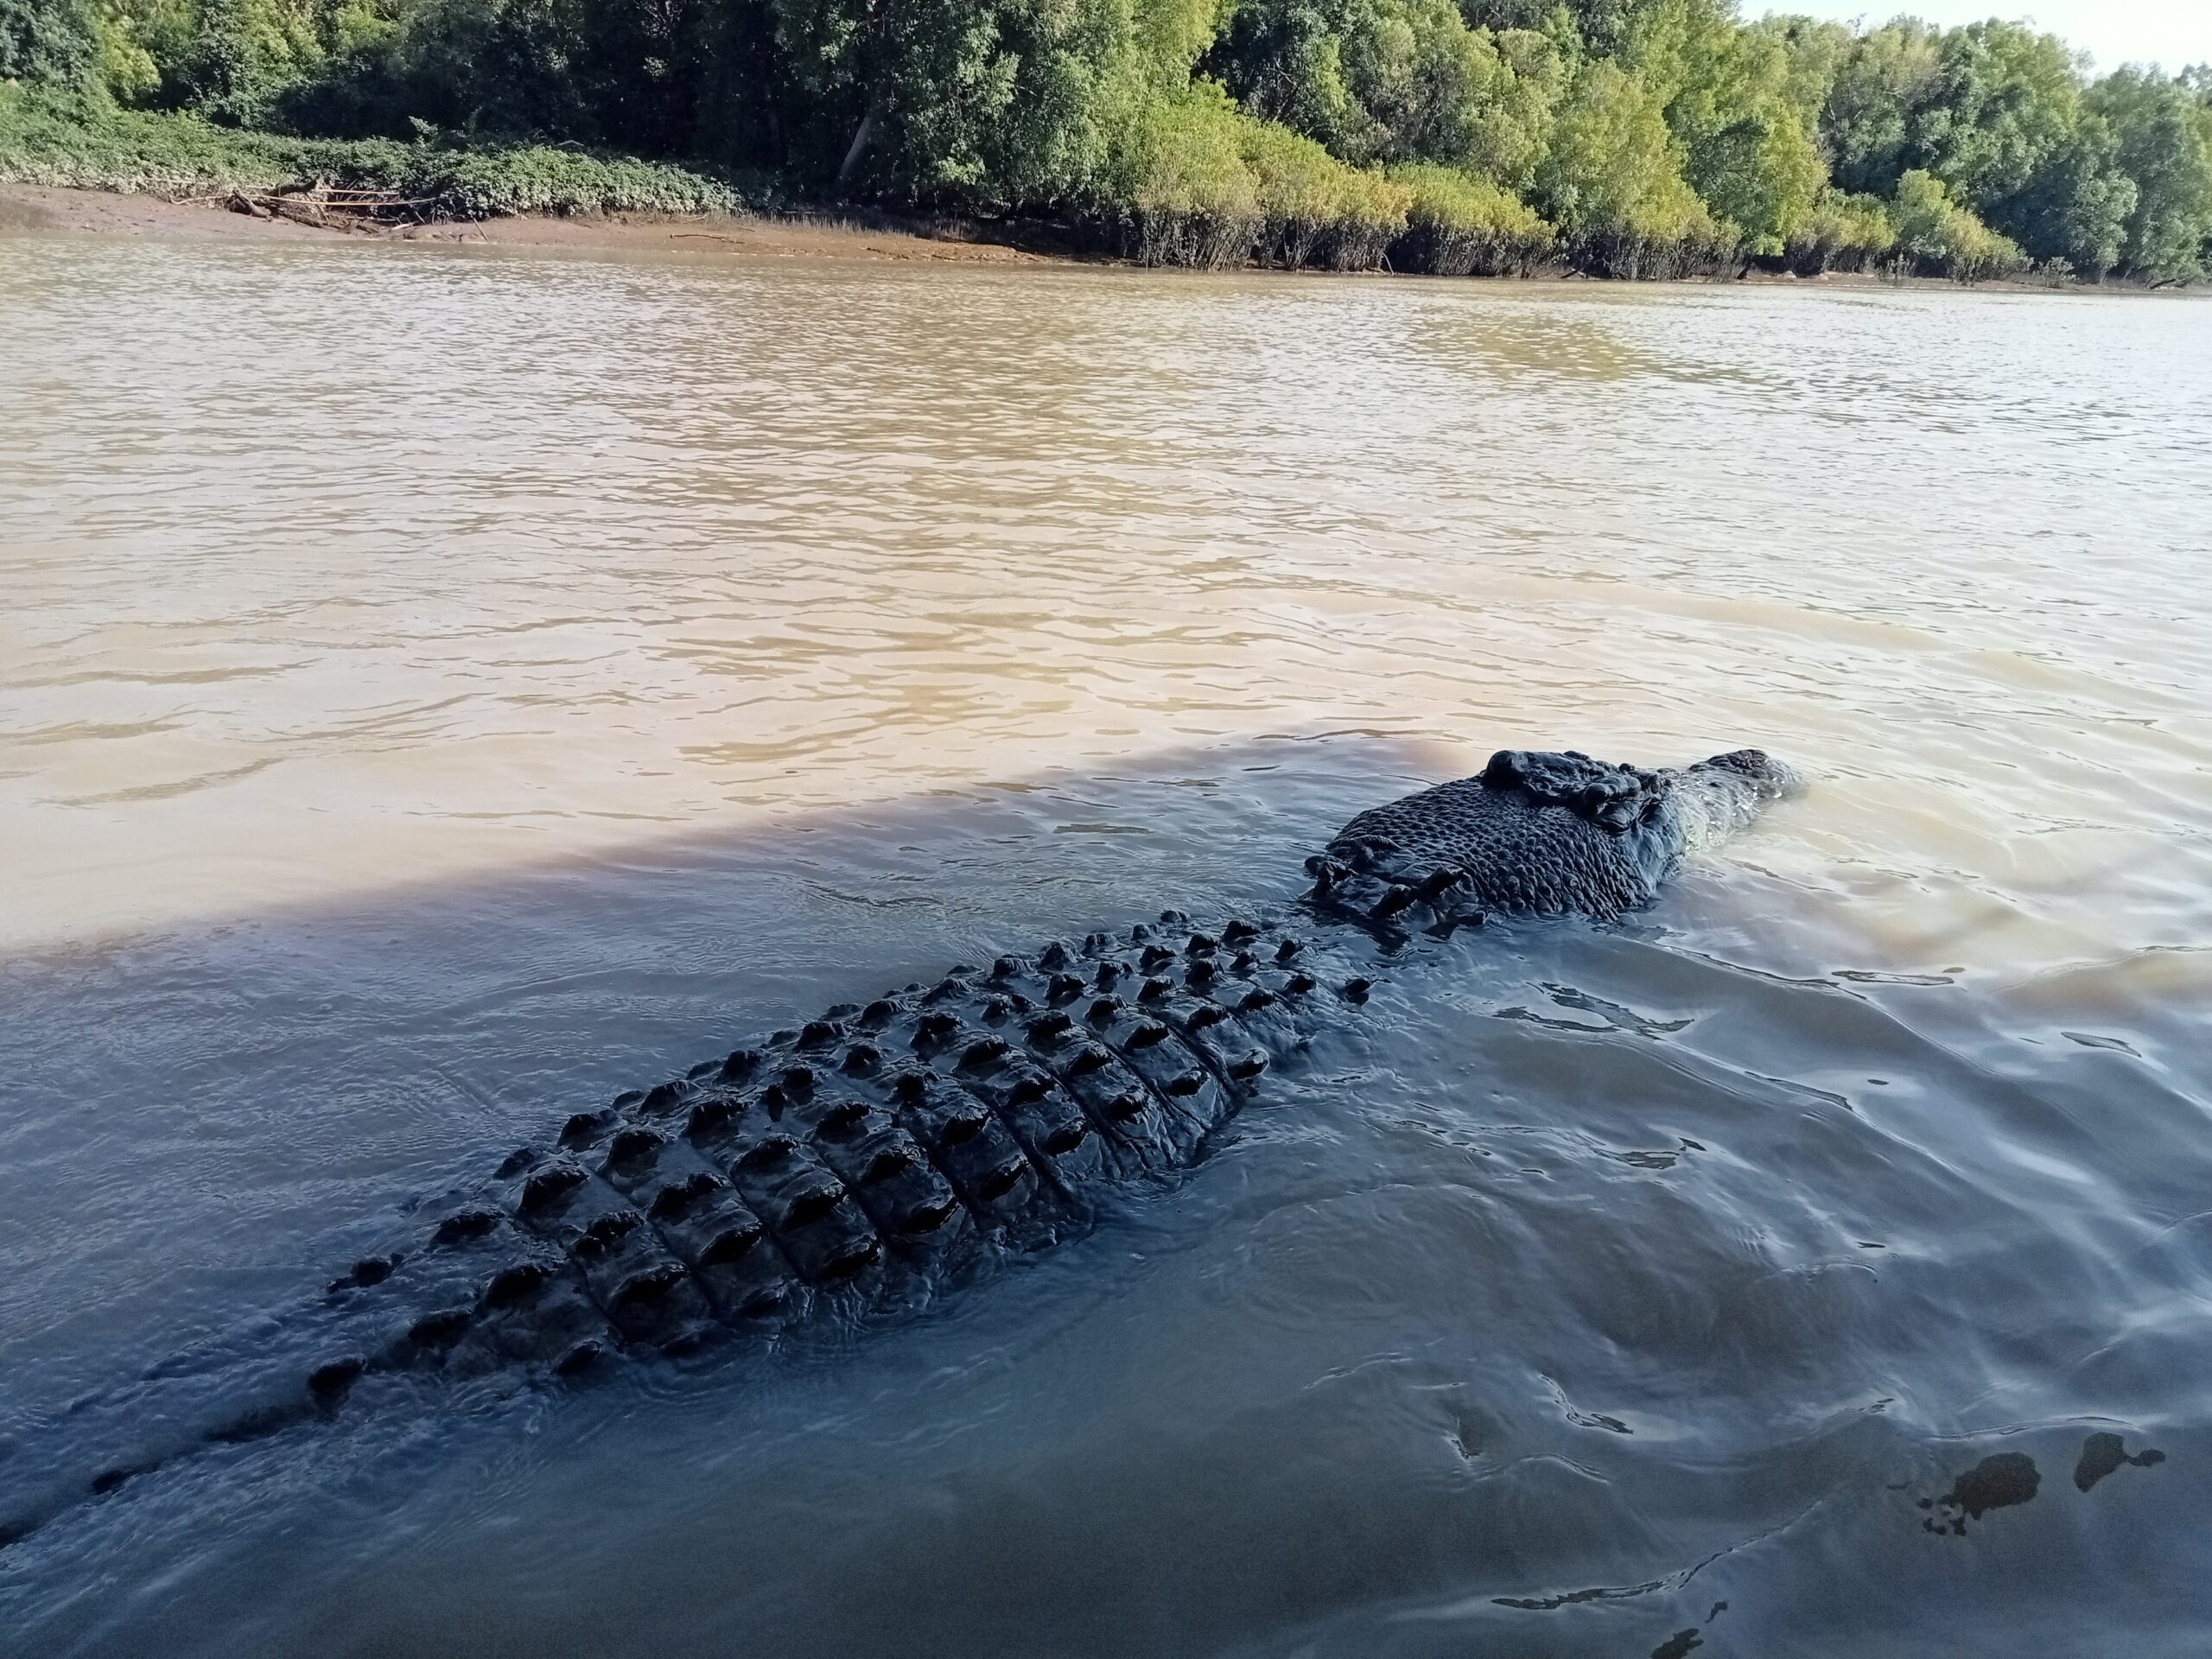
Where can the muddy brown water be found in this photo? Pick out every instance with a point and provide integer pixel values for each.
(440, 689)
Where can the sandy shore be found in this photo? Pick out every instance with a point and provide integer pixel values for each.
(44, 208)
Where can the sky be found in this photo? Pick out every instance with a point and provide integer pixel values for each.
(2170, 32)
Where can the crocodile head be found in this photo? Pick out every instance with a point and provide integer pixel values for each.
(1539, 833)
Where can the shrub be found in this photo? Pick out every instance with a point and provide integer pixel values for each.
(1612, 181)
(1180, 186)
(1313, 208)
(1937, 234)
(1300, 192)
(1370, 216)
(1660, 248)
(1842, 233)
(1460, 225)
(47, 138)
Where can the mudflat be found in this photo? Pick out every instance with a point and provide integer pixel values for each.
(31, 207)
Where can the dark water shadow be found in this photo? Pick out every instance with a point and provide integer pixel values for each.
(1495, 1333)
(187, 1107)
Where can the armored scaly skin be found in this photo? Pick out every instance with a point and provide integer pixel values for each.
(860, 1161)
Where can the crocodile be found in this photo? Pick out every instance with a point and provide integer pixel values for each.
(871, 1157)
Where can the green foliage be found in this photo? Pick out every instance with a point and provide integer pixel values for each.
(1394, 80)
(1840, 233)
(1201, 183)
(1458, 225)
(1883, 83)
(1611, 180)
(1005, 99)
(1627, 137)
(2163, 142)
(1299, 189)
(1941, 236)
(2076, 207)
(62, 140)
(1996, 111)
(47, 40)
(1739, 104)
(1181, 183)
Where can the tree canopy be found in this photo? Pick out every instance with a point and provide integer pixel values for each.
(1625, 135)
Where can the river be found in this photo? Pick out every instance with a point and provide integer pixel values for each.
(440, 688)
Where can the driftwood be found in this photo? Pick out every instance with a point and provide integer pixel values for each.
(327, 206)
